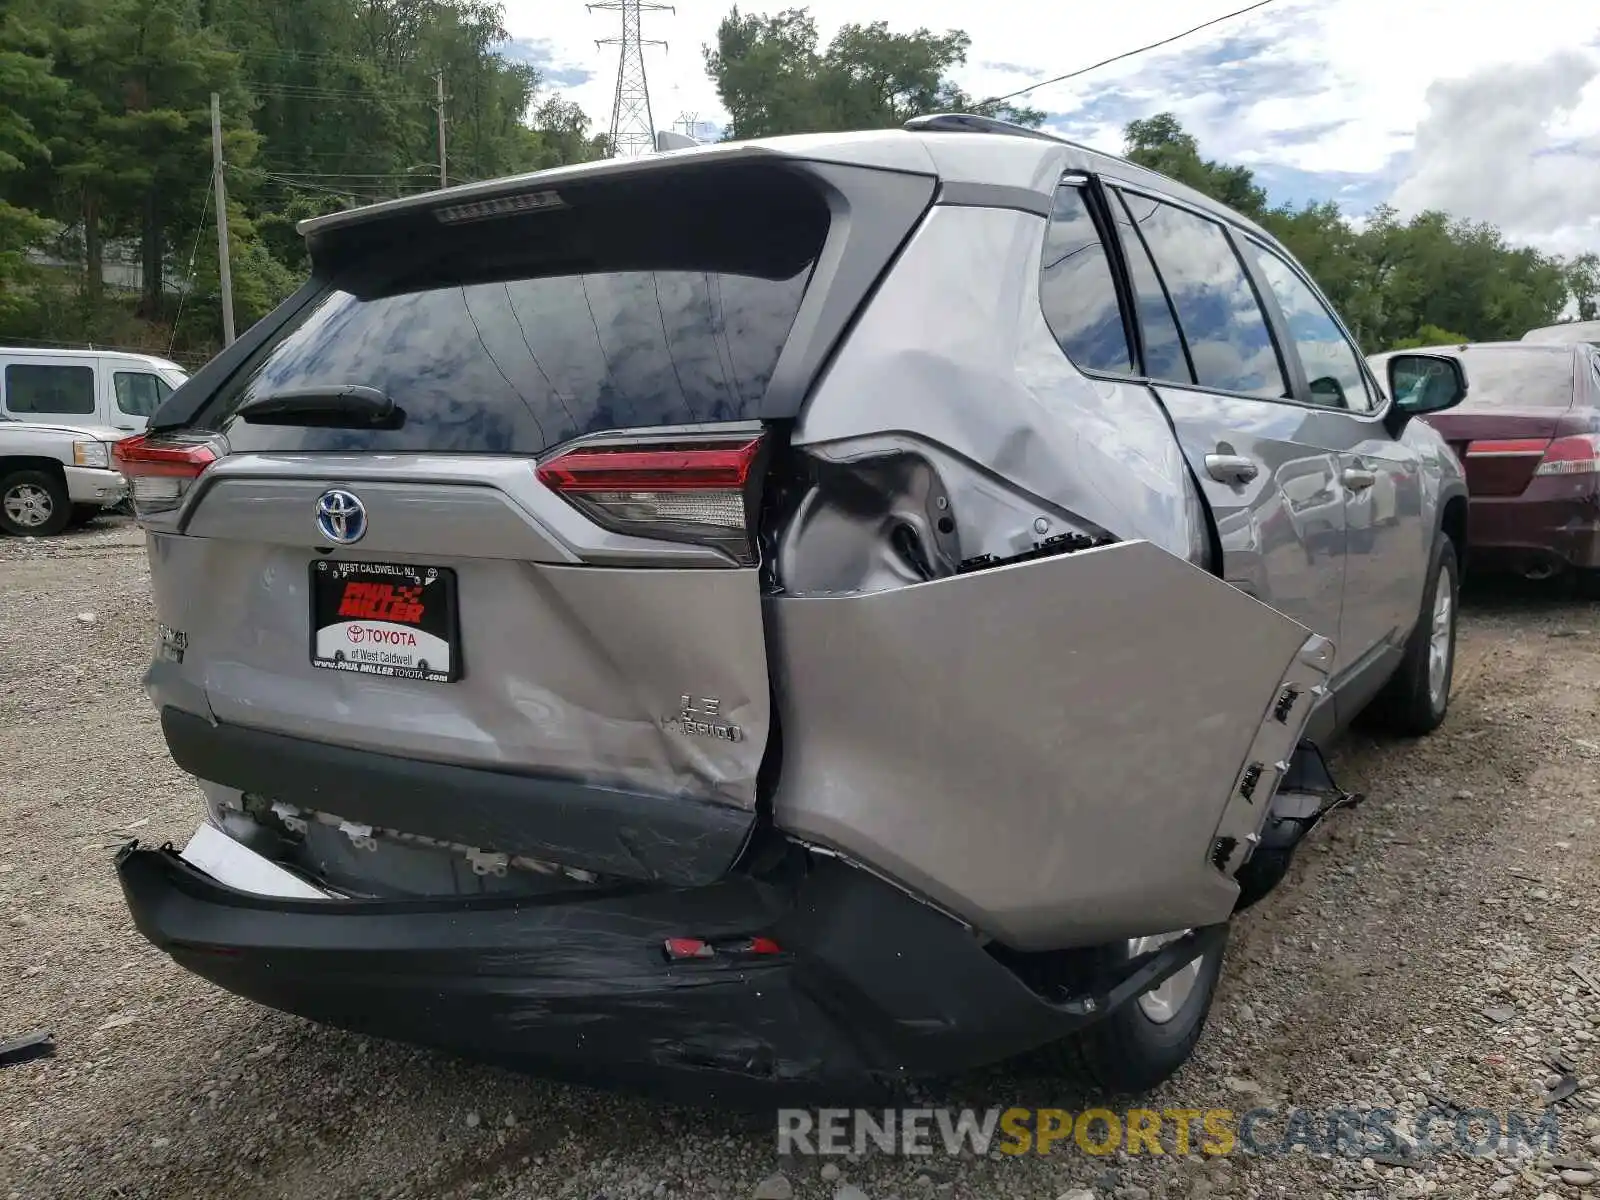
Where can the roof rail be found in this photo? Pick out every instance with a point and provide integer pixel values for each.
(973, 123)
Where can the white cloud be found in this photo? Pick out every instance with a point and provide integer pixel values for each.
(1355, 74)
(1503, 145)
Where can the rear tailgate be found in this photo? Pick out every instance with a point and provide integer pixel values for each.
(535, 567)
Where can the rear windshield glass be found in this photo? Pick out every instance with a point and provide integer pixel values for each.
(1512, 378)
(499, 352)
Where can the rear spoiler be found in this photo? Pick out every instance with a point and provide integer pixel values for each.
(600, 171)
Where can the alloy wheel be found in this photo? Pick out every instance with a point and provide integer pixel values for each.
(1163, 1002)
(28, 505)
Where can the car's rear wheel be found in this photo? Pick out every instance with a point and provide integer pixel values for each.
(1415, 700)
(33, 504)
(1143, 1043)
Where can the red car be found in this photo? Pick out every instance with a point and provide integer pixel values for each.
(1528, 435)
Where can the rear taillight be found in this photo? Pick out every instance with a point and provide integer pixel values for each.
(694, 490)
(682, 949)
(160, 470)
(1576, 455)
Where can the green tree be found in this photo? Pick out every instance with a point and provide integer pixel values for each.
(1161, 144)
(105, 143)
(1583, 285)
(561, 135)
(774, 78)
(25, 82)
(1429, 335)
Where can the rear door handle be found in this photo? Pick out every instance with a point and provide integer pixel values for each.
(1358, 479)
(1231, 468)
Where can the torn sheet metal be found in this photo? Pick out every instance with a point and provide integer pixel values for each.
(1272, 753)
(881, 512)
(1044, 749)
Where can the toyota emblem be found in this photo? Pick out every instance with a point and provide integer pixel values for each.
(341, 517)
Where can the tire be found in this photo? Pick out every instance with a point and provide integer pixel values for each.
(1134, 1049)
(33, 504)
(1415, 700)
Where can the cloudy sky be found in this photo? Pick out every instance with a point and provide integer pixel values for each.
(1489, 110)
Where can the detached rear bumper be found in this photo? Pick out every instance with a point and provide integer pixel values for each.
(871, 986)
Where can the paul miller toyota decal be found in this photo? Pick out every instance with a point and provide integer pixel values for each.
(367, 645)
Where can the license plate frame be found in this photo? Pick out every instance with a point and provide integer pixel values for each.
(396, 625)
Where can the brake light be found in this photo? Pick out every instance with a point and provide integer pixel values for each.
(692, 490)
(1576, 455)
(160, 470)
(681, 949)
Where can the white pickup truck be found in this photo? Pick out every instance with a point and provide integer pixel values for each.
(60, 413)
(52, 476)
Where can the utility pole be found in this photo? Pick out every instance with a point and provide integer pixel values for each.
(439, 79)
(224, 266)
(633, 129)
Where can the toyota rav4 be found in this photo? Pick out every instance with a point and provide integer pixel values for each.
(802, 612)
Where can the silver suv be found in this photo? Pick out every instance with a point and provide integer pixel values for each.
(802, 612)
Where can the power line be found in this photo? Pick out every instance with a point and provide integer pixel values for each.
(328, 184)
(347, 174)
(205, 209)
(1106, 62)
(310, 56)
(293, 91)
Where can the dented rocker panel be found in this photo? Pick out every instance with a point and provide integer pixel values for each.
(1046, 749)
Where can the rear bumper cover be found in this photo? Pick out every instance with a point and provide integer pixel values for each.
(610, 831)
(872, 986)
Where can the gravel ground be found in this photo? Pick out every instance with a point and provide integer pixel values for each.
(1468, 881)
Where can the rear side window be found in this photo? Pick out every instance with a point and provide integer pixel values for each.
(1511, 377)
(43, 389)
(1164, 356)
(139, 392)
(512, 336)
(1078, 291)
(1229, 340)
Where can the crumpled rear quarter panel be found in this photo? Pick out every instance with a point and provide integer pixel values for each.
(1044, 749)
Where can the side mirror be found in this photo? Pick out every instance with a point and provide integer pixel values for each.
(1426, 383)
(1328, 390)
